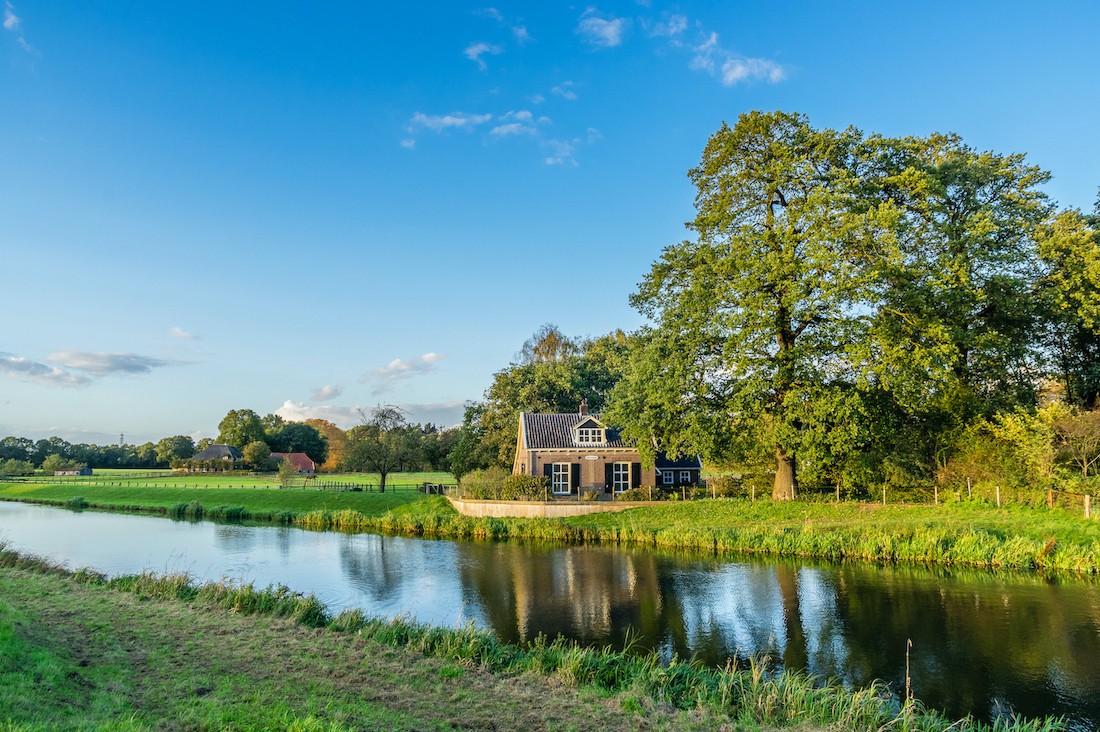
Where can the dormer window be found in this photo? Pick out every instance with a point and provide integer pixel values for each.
(590, 436)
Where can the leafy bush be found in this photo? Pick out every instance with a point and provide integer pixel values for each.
(524, 488)
(484, 484)
(16, 467)
(726, 486)
(638, 494)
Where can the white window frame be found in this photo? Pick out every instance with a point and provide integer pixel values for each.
(590, 436)
(668, 477)
(620, 477)
(561, 474)
(685, 477)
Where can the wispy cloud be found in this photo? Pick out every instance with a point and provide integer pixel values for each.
(14, 25)
(564, 151)
(671, 26)
(181, 334)
(731, 68)
(517, 123)
(475, 51)
(599, 31)
(106, 364)
(565, 91)
(385, 378)
(519, 30)
(443, 122)
(25, 369)
(326, 393)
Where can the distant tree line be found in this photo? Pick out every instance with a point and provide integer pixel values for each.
(411, 447)
(853, 312)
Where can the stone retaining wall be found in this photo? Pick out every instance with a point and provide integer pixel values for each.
(538, 509)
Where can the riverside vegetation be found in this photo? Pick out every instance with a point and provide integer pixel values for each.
(972, 534)
(143, 651)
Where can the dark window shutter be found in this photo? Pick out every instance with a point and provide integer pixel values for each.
(635, 475)
(575, 475)
(548, 470)
(608, 476)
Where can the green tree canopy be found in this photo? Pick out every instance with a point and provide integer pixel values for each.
(240, 427)
(754, 319)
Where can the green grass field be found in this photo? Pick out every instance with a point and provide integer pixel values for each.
(160, 478)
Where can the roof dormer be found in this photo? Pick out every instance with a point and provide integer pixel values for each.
(590, 432)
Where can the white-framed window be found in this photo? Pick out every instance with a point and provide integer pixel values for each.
(685, 477)
(620, 477)
(590, 435)
(668, 477)
(560, 478)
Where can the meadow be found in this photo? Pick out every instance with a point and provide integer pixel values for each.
(81, 651)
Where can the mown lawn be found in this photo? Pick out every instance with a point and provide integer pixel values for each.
(238, 479)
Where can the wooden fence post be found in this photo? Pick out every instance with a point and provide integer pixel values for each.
(1050, 498)
(998, 496)
(936, 493)
(1088, 506)
(884, 495)
(754, 494)
(968, 493)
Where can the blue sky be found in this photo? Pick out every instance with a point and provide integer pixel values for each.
(308, 208)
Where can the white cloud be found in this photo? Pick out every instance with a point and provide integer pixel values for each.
(673, 26)
(521, 35)
(106, 364)
(11, 20)
(441, 414)
(452, 121)
(179, 333)
(537, 99)
(18, 367)
(565, 91)
(409, 143)
(326, 393)
(513, 129)
(14, 25)
(385, 378)
(562, 152)
(730, 68)
(736, 70)
(342, 417)
(600, 32)
(492, 13)
(475, 51)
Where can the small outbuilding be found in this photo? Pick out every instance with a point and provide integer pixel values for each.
(301, 462)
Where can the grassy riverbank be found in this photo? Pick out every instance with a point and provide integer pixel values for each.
(973, 535)
(79, 651)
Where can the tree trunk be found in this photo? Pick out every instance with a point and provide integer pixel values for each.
(786, 481)
(382, 483)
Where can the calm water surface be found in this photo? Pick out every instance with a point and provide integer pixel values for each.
(983, 644)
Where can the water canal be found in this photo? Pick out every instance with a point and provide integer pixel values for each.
(985, 644)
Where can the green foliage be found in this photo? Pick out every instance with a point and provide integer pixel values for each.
(552, 373)
(381, 443)
(257, 455)
(240, 427)
(487, 483)
(288, 474)
(14, 466)
(524, 488)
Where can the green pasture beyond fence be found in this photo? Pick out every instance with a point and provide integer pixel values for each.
(300, 484)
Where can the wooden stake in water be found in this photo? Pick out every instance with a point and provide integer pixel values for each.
(908, 680)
